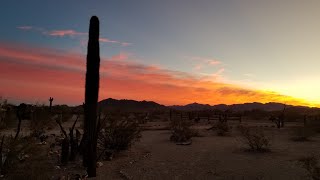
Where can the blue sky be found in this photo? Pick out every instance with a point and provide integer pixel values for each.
(269, 45)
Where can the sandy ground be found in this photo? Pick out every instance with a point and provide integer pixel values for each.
(210, 157)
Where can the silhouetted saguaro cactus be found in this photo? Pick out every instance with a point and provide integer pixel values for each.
(91, 98)
(50, 100)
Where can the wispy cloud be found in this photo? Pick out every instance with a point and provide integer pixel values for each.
(106, 40)
(201, 62)
(69, 33)
(62, 33)
(25, 27)
(206, 60)
(33, 72)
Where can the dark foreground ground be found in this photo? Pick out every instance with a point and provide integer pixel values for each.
(208, 157)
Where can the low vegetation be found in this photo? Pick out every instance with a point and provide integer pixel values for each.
(14, 150)
(181, 131)
(223, 128)
(255, 139)
(117, 134)
(311, 165)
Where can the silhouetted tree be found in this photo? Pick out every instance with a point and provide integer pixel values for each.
(91, 98)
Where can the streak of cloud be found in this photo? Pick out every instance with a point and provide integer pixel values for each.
(31, 73)
(70, 33)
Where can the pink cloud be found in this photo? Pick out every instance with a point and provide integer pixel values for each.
(120, 57)
(29, 73)
(25, 27)
(214, 62)
(106, 40)
(62, 33)
(201, 62)
(206, 60)
(126, 44)
(198, 67)
(71, 33)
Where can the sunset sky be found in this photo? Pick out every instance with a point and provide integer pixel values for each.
(168, 51)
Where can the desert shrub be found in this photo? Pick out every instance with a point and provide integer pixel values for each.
(222, 128)
(118, 134)
(255, 139)
(40, 118)
(311, 164)
(7, 113)
(181, 131)
(14, 151)
(303, 133)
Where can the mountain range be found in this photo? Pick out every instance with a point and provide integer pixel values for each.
(132, 105)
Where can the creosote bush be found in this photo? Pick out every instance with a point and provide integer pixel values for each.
(40, 117)
(181, 131)
(13, 152)
(255, 139)
(222, 128)
(311, 164)
(118, 134)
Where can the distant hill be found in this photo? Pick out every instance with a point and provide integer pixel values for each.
(132, 105)
(258, 106)
(234, 107)
(129, 105)
(192, 107)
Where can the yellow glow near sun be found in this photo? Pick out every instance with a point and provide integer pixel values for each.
(306, 89)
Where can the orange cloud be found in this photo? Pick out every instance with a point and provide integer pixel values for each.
(32, 74)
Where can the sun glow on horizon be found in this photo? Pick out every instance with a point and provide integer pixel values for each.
(33, 74)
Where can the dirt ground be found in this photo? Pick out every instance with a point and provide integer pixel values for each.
(210, 156)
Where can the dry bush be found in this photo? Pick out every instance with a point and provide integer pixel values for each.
(303, 133)
(27, 160)
(40, 117)
(222, 128)
(255, 139)
(7, 114)
(118, 134)
(13, 152)
(181, 131)
(311, 164)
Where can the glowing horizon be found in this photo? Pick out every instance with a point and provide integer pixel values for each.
(33, 74)
(170, 51)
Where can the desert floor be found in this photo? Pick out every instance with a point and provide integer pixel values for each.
(211, 157)
(154, 156)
